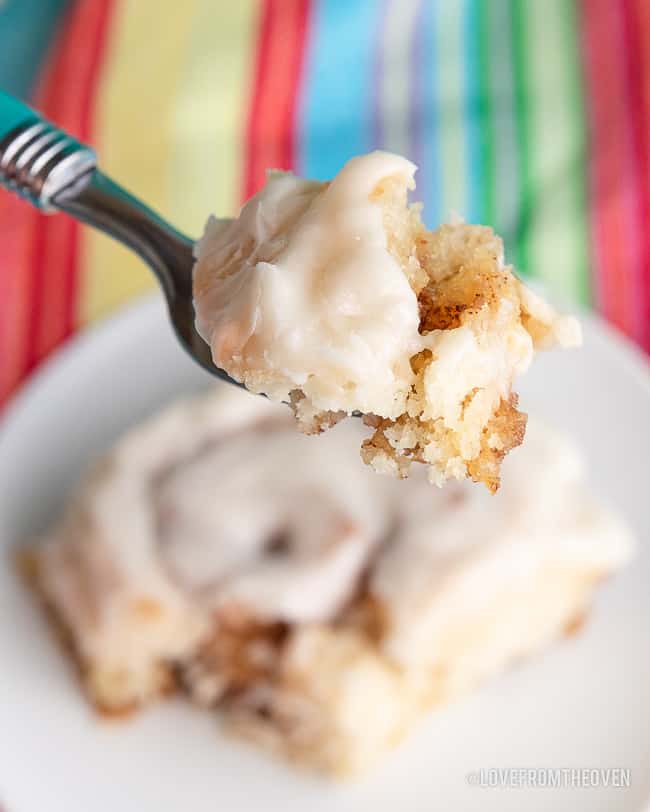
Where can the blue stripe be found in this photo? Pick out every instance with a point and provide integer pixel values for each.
(506, 156)
(26, 29)
(337, 105)
(472, 113)
(429, 176)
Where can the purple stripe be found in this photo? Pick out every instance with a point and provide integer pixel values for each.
(420, 93)
(377, 110)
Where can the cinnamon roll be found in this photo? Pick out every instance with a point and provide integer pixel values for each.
(335, 298)
(322, 609)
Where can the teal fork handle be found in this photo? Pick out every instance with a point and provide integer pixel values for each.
(37, 159)
(55, 172)
(13, 114)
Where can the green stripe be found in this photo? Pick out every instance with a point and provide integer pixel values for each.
(485, 106)
(449, 89)
(500, 73)
(555, 244)
(519, 35)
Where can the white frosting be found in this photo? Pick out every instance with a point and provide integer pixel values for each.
(302, 285)
(184, 509)
(457, 555)
(313, 500)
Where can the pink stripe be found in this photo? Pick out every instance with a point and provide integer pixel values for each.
(637, 30)
(614, 210)
(638, 146)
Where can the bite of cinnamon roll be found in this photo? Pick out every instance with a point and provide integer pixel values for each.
(335, 298)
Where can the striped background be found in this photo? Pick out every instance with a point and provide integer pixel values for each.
(531, 116)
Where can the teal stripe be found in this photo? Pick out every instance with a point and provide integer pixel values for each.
(336, 111)
(26, 29)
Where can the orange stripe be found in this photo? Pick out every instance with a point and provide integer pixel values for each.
(270, 142)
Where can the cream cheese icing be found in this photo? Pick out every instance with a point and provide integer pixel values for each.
(308, 289)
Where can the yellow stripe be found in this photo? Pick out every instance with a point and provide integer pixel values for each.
(449, 81)
(146, 54)
(210, 118)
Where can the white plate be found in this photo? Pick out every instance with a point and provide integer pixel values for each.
(584, 703)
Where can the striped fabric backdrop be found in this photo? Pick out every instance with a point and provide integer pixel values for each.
(533, 117)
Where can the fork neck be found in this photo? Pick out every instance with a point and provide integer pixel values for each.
(100, 202)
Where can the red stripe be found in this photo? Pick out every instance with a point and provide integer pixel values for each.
(637, 50)
(270, 134)
(254, 124)
(612, 169)
(19, 226)
(15, 289)
(67, 98)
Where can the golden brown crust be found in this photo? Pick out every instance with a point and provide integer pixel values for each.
(28, 567)
(504, 431)
(315, 423)
(379, 447)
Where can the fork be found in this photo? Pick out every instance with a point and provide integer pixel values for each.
(55, 172)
